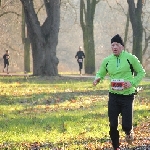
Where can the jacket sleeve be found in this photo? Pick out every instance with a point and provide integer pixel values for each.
(140, 72)
(76, 55)
(83, 55)
(101, 73)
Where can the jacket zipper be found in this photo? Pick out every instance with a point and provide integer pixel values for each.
(118, 62)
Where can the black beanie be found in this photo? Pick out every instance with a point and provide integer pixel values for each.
(117, 39)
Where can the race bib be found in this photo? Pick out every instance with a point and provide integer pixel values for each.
(117, 84)
(80, 60)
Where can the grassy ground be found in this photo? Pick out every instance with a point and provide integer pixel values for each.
(63, 112)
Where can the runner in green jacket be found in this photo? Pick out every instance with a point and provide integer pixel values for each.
(120, 66)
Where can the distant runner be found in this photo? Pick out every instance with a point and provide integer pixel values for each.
(6, 61)
(80, 56)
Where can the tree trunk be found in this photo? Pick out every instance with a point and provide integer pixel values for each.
(27, 55)
(87, 13)
(126, 29)
(26, 42)
(89, 46)
(135, 18)
(147, 39)
(44, 39)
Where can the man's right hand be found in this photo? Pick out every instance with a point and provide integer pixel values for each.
(96, 81)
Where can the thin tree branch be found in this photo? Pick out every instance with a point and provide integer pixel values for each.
(40, 8)
(121, 7)
(6, 3)
(9, 12)
(108, 4)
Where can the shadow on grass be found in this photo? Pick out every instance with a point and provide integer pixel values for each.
(53, 122)
(45, 119)
(50, 98)
(45, 79)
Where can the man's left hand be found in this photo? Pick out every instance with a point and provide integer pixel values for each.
(127, 84)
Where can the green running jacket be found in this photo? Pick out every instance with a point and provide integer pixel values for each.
(122, 67)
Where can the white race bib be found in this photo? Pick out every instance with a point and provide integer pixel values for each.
(117, 84)
(80, 60)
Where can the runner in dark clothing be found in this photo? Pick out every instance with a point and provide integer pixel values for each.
(6, 61)
(79, 56)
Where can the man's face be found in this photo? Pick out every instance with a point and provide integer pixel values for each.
(116, 48)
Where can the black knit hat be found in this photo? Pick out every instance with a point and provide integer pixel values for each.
(117, 39)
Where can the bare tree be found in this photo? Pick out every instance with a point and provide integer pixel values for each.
(87, 12)
(127, 22)
(43, 38)
(135, 13)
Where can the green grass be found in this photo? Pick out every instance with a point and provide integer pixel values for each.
(59, 110)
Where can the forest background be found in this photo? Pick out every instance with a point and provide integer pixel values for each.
(110, 19)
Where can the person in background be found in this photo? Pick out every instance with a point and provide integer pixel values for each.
(6, 61)
(120, 66)
(80, 56)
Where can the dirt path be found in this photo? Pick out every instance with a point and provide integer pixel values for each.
(14, 74)
(63, 75)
